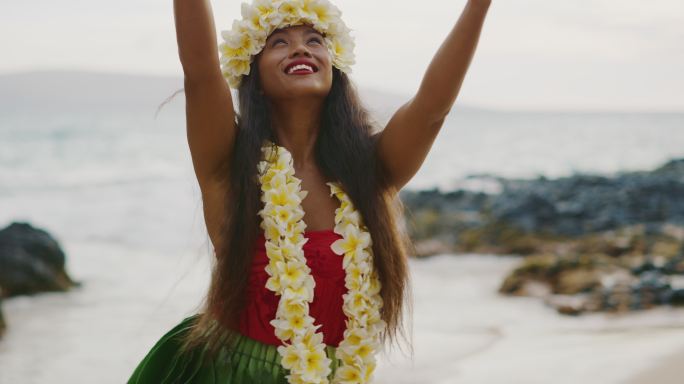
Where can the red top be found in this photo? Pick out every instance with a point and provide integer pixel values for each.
(326, 307)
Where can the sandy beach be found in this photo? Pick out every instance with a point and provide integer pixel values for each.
(463, 331)
(669, 371)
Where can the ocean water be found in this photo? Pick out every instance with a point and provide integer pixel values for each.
(129, 177)
(117, 189)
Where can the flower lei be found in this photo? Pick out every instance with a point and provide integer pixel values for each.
(303, 350)
(248, 36)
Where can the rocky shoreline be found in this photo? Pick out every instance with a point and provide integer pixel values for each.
(588, 242)
(31, 262)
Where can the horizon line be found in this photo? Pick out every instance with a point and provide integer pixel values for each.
(488, 108)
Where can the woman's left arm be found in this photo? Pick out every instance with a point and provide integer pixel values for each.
(409, 134)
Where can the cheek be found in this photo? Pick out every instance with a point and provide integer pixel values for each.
(327, 64)
(267, 69)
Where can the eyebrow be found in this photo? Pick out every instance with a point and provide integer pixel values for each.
(308, 32)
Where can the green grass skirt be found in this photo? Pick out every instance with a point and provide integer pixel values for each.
(251, 362)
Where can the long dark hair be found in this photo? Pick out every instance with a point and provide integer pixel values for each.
(345, 152)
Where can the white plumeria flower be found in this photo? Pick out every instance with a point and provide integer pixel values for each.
(262, 166)
(268, 11)
(312, 338)
(378, 326)
(269, 152)
(276, 179)
(271, 229)
(356, 304)
(305, 290)
(315, 364)
(325, 14)
(292, 325)
(248, 36)
(362, 318)
(334, 188)
(305, 13)
(358, 257)
(354, 240)
(283, 163)
(284, 250)
(290, 278)
(354, 275)
(273, 283)
(282, 332)
(293, 232)
(354, 337)
(363, 263)
(353, 284)
(347, 215)
(292, 274)
(349, 374)
(374, 288)
(295, 378)
(251, 17)
(275, 253)
(283, 197)
(363, 349)
(291, 356)
(360, 299)
(287, 308)
(239, 45)
(283, 215)
(289, 10)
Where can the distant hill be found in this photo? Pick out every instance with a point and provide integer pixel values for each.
(47, 91)
(75, 90)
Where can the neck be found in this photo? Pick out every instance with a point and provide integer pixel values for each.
(296, 123)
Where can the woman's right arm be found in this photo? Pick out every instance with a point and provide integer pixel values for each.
(210, 118)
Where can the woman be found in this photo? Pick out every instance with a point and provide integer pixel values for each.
(300, 195)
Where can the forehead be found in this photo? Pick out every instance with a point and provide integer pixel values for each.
(303, 29)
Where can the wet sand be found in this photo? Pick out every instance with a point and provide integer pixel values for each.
(462, 326)
(669, 371)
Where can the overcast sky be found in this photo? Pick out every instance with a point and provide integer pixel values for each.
(533, 54)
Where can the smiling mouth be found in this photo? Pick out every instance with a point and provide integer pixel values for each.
(301, 69)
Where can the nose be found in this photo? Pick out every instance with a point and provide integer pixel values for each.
(300, 48)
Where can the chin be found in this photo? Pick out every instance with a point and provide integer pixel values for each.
(307, 89)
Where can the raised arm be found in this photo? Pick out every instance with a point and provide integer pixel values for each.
(210, 117)
(409, 134)
(209, 106)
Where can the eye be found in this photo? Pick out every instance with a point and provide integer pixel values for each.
(316, 39)
(277, 40)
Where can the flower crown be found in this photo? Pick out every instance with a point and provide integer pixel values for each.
(248, 36)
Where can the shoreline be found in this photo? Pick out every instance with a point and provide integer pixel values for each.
(668, 371)
(458, 342)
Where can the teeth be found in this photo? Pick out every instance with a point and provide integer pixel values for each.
(300, 66)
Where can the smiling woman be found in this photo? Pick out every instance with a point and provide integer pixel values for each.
(291, 52)
(300, 196)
